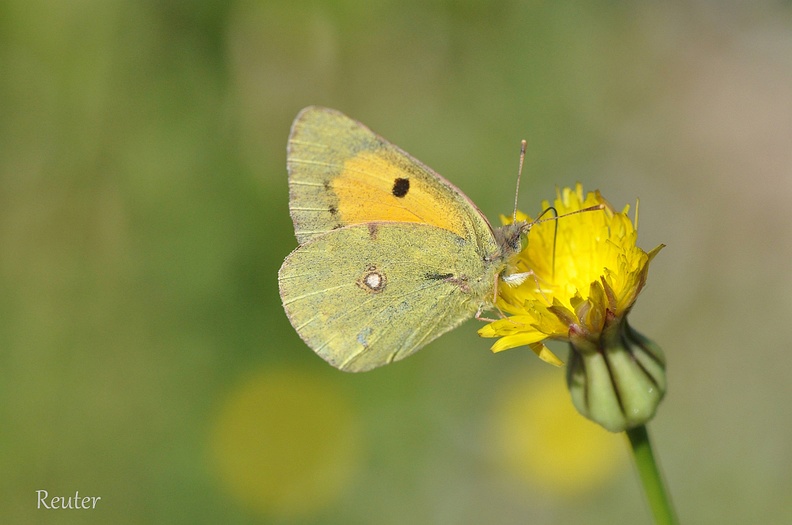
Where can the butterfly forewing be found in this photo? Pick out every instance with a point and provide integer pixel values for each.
(342, 173)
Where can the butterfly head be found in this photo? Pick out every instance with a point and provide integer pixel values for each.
(511, 238)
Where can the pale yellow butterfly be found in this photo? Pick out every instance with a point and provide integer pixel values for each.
(391, 255)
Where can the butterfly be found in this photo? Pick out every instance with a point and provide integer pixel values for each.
(391, 255)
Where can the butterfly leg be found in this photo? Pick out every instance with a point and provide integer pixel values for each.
(494, 303)
(487, 319)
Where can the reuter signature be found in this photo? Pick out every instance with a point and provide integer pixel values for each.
(63, 502)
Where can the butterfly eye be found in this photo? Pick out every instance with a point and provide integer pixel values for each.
(522, 241)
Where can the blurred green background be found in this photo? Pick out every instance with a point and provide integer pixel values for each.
(145, 357)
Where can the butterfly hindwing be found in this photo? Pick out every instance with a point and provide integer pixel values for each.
(366, 295)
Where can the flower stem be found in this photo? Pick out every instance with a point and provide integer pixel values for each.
(652, 481)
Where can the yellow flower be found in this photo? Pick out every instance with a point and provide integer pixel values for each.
(584, 273)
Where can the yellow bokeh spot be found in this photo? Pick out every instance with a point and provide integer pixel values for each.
(286, 443)
(540, 438)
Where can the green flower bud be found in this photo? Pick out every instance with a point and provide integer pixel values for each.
(617, 376)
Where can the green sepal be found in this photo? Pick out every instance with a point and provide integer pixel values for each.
(618, 379)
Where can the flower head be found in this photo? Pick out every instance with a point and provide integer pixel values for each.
(584, 273)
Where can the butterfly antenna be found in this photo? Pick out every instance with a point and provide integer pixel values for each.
(555, 242)
(550, 209)
(523, 147)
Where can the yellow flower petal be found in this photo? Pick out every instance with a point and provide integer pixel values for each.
(545, 354)
(520, 339)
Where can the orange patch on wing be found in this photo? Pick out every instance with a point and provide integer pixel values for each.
(372, 188)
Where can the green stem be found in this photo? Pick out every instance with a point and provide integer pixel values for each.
(652, 481)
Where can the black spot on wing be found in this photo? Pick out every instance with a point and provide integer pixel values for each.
(400, 187)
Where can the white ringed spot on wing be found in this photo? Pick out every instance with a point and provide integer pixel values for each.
(372, 280)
